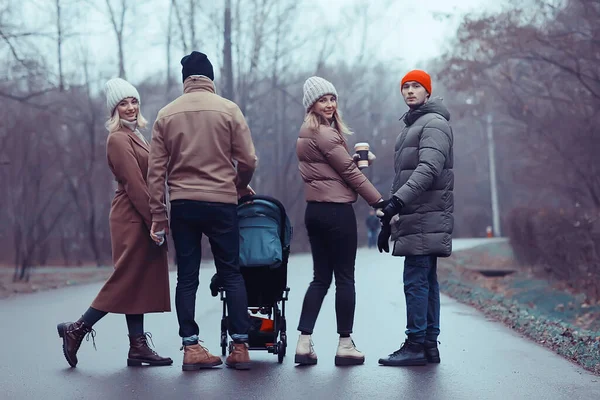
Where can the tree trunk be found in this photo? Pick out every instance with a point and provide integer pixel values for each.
(192, 20)
(59, 43)
(169, 82)
(227, 58)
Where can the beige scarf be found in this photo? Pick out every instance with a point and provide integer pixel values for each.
(132, 125)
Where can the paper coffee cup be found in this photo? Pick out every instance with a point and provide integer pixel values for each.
(363, 151)
(161, 235)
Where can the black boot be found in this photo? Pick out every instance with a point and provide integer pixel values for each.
(72, 334)
(409, 354)
(140, 353)
(431, 351)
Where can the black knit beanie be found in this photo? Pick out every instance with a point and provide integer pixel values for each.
(196, 63)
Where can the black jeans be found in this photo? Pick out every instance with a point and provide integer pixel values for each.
(332, 232)
(422, 293)
(218, 221)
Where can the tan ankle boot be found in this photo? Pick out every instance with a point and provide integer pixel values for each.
(197, 357)
(238, 358)
(347, 354)
(305, 352)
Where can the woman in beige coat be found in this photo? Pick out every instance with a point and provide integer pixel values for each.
(140, 281)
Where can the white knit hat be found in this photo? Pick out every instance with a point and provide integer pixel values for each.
(315, 88)
(118, 89)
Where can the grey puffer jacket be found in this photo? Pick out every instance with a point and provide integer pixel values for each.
(424, 183)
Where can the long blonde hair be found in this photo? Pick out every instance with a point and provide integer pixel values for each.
(312, 121)
(114, 122)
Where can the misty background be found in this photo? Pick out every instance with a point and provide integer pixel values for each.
(524, 74)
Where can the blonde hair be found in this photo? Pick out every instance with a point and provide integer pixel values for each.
(114, 122)
(312, 121)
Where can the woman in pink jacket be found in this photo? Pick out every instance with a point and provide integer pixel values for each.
(332, 182)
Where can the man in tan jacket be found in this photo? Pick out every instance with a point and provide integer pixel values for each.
(202, 148)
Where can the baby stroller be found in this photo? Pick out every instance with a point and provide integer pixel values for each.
(265, 236)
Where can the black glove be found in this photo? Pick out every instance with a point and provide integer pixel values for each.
(380, 204)
(215, 285)
(383, 240)
(393, 207)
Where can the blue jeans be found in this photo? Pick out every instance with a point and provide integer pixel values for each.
(218, 221)
(422, 293)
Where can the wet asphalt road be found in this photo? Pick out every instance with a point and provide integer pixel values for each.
(481, 359)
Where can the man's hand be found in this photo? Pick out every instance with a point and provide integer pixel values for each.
(383, 240)
(155, 231)
(247, 191)
(392, 208)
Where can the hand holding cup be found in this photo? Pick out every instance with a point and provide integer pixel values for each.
(362, 149)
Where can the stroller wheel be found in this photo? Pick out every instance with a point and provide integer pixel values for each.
(224, 344)
(280, 351)
(284, 340)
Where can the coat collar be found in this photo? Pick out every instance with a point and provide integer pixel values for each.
(133, 136)
(198, 84)
(139, 141)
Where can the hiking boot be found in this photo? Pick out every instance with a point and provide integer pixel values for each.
(140, 353)
(347, 354)
(238, 358)
(305, 352)
(431, 351)
(72, 334)
(409, 354)
(196, 357)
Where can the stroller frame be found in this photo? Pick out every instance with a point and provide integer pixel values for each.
(273, 310)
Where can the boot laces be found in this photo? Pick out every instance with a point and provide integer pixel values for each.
(201, 346)
(400, 350)
(88, 332)
(148, 336)
(91, 333)
(353, 345)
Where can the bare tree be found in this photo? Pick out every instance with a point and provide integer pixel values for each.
(192, 23)
(117, 20)
(169, 83)
(227, 53)
(59, 45)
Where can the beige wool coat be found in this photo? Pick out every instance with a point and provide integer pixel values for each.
(140, 281)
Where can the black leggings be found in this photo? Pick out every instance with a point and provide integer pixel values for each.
(135, 322)
(332, 232)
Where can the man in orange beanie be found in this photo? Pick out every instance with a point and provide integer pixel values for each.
(418, 215)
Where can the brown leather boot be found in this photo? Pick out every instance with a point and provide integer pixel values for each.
(238, 358)
(140, 353)
(72, 334)
(197, 357)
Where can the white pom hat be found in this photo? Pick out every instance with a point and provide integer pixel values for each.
(118, 89)
(315, 88)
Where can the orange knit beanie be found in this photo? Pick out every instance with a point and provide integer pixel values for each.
(419, 76)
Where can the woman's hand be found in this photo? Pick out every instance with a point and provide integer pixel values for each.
(158, 232)
(371, 157)
(380, 205)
